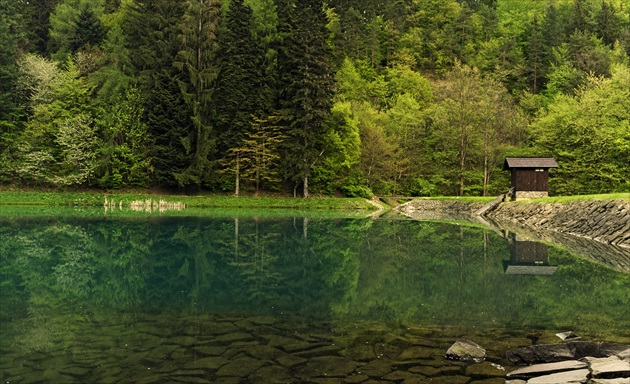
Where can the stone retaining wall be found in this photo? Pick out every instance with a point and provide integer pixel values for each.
(606, 221)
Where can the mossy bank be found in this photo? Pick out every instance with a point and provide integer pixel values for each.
(151, 202)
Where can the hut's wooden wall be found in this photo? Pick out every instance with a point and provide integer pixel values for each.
(528, 179)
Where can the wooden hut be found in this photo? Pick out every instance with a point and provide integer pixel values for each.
(530, 175)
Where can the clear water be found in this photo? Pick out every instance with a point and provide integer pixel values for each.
(212, 299)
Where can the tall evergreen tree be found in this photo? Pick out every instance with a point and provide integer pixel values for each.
(36, 14)
(307, 89)
(8, 74)
(238, 96)
(88, 30)
(535, 56)
(153, 36)
(607, 24)
(551, 28)
(580, 17)
(74, 22)
(198, 36)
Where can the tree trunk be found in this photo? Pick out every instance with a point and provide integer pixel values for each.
(238, 176)
(306, 186)
(486, 172)
(236, 238)
(462, 161)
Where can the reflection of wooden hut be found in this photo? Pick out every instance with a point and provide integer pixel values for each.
(530, 175)
(528, 258)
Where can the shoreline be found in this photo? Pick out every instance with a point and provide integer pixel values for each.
(142, 201)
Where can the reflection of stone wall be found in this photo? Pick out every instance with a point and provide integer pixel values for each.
(612, 256)
(572, 226)
(524, 195)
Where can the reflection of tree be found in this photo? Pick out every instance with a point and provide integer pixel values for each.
(54, 273)
(256, 266)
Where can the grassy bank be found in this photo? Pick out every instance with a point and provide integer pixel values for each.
(551, 199)
(93, 199)
(568, 199)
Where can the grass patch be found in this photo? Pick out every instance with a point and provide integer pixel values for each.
(552, 199)
(468, 199)
(24, 212)
(141, 201)
(567, 199)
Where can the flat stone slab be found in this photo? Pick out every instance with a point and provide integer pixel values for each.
(578, 376)
(414, 353)
(609, 381)
(485, 370)
(572, 350)
(624, 355)
(208, 363)
(609, 367)
(546, 369)
(327, 366)
(242, 367)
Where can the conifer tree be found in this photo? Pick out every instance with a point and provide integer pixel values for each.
(238, 96)
(551, 28)
(535, 56)
(36, 15)
(607, 24)
(151, 26)
(307, 86)
(198, 36)
(88, 30)
(74, 23)
(8, 73)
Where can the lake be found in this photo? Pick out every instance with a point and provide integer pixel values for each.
(259, 297)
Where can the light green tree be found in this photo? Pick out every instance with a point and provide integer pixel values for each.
(256, 159)
(589, 135)
(60, 132)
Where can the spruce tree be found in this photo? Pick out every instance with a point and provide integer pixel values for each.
(535, 56)
(36, 15)
(238, 94)
(607, 24)
(551, 28)
(153, 36)
(88, 30)
(307, 85)
(8, 73)
(198, 36)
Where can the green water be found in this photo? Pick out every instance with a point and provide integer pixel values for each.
(265, 298)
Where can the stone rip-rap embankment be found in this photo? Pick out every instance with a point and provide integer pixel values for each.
(605, 221)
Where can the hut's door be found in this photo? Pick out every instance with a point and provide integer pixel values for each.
(540, 180)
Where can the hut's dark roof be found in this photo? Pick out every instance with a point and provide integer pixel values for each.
(529, 162)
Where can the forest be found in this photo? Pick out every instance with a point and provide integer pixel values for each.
(313, 98)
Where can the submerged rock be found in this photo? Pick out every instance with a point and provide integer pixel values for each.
(609, 367)
(570, 377)
(546, 369)
(573, 350)
(466, 350)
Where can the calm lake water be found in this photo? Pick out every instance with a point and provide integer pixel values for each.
(217, 299)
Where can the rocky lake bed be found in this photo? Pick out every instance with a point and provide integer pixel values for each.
(266, 349)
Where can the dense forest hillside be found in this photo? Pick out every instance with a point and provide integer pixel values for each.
(350, 97)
